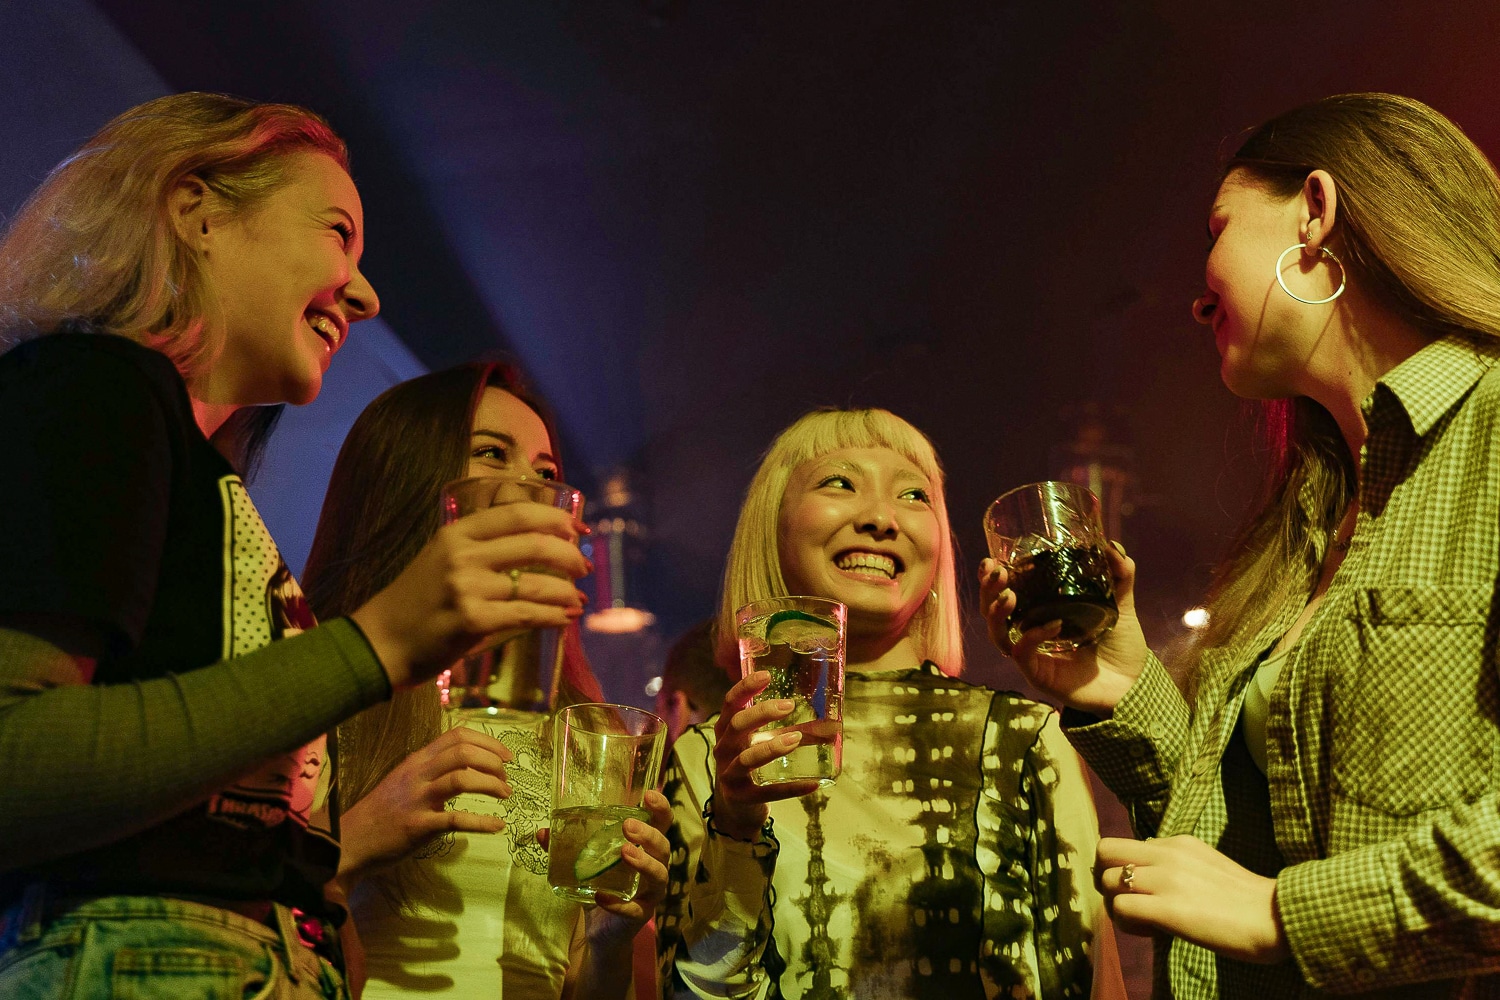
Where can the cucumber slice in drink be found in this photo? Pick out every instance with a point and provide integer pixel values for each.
(798, 628)
(601, 852)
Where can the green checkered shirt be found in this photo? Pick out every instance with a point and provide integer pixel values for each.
(1378, 812)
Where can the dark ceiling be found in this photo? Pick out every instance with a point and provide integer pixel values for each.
(694, 220)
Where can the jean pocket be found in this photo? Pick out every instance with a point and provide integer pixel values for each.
(173, 973)
(41, 969)
(1414, 728)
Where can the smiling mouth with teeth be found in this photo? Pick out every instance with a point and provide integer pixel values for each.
(326, 328)
(870, 563)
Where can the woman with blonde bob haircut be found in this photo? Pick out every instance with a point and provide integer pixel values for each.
(164, 691)
(951, 855)
(1321, 812)
(754, 569)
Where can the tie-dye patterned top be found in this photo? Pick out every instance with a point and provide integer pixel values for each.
(950, 859)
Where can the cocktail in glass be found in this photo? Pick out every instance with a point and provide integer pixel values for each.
(605, 758)
(799, 641)
(1051, 540)
(517, 669)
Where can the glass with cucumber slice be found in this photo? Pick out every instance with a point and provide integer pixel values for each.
(799, 642)
(605, 758)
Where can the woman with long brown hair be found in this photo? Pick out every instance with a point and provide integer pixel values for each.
(446, 875)
(164, 692)
(1326, 803)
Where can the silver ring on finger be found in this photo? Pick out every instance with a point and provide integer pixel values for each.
(515, 584)
(1127, 877)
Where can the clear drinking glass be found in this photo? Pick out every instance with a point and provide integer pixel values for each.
(1051, 539)
(605, 758)
(520, 668)
(799, 641)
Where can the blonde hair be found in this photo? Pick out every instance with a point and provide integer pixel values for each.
(753, 572)
(95, 241)
(1419, 230)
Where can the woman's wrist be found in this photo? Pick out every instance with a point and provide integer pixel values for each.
(746, 826)
(611, 934)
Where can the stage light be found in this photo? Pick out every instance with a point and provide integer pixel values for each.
(617, 547)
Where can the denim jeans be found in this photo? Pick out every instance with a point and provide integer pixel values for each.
(149, 947)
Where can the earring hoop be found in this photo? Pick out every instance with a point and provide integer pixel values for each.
(1343, 275)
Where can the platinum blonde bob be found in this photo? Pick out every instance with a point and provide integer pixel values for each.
(753, 572)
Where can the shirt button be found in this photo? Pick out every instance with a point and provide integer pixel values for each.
(1157, 730)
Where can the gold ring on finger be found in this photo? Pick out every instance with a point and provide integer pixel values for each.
(515, 583)
(1013, 634)
(1127, 877)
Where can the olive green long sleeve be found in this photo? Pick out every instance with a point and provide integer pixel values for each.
(88, 765)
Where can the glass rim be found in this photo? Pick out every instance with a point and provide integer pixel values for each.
(563, 716)
(1077, 488)
(556, 485)
(837, 610)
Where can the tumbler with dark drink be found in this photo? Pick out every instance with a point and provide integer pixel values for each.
(1050, 538)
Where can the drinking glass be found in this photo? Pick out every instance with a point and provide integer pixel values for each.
(517, 668)
(604, 759)
(799, 641)
(1051, 540)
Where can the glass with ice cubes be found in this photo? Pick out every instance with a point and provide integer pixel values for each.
(799, 641)
(1050, 537)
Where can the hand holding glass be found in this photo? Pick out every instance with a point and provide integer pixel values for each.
(799, 641)
(1051, 540)
(517, 668)
(605, 758)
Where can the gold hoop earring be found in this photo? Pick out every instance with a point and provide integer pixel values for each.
(1343, 275)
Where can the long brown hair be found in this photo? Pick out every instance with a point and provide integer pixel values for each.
(380, 509)
(1419, 230)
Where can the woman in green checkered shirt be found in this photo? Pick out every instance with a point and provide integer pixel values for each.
(1324, 801)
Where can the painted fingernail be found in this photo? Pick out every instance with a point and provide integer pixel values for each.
(1117, 546)
(589, 563)
(790, 740)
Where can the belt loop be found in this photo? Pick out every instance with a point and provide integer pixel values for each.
(286, 929)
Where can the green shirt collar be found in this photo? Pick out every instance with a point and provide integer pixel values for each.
(1432, 381)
